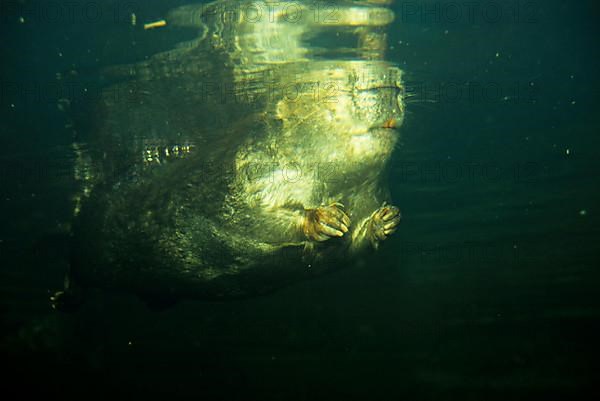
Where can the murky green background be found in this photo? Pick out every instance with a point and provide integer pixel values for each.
(489, 289)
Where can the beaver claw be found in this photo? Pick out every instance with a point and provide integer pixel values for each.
(325, 222)
(383, 222)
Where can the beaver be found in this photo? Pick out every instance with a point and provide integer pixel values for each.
(246, 159)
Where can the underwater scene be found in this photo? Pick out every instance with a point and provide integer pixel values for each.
(300, 200)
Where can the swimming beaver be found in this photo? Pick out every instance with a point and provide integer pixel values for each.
(243, 160)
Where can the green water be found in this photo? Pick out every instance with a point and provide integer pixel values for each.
(487, 291)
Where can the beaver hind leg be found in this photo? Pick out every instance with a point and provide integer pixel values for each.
(66, 300)
(69, 299)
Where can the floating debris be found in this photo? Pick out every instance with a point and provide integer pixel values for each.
(155, 24)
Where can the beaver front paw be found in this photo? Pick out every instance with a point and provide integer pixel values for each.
(383, 222)
(325, 222)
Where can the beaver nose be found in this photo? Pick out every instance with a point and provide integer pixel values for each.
(390, 123)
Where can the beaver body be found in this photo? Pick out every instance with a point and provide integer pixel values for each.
(241, 161)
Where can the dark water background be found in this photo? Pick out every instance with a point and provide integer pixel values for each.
(489, 290)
